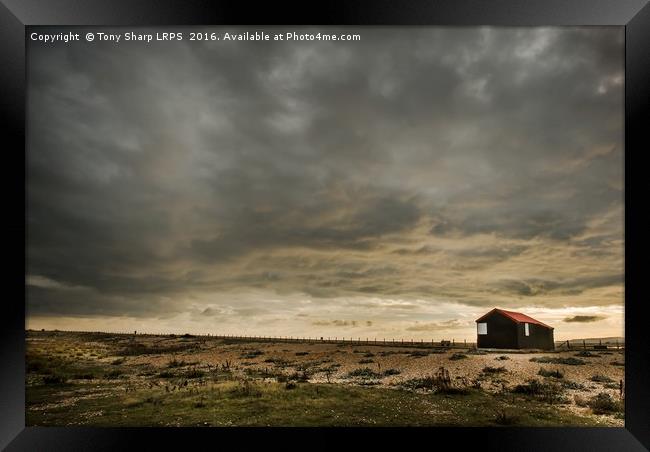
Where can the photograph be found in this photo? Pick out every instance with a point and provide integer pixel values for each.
(325, 226)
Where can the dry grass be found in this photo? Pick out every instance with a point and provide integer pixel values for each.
(174, 363)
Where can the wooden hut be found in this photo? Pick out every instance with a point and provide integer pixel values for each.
(512, 330)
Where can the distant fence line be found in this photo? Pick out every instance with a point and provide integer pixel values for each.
(593, 344)
(443, 343)
(451, 343)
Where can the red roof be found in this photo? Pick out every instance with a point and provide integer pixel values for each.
(516, 316)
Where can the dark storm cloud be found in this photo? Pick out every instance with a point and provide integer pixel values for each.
(370, 219)
(162, 171)
(584, 318)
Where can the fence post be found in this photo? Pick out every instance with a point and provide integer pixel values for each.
(584, 345)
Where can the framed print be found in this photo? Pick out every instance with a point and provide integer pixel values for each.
(357, 218)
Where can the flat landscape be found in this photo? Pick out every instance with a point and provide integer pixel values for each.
(102, 379)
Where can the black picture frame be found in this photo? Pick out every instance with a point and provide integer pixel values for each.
(16, 15)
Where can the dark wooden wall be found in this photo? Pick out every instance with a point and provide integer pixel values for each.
(504, 332)
(540, 337)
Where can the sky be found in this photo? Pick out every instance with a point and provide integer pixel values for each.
(399, 186)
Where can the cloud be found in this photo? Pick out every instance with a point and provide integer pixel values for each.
(342, 323)
(234, 181)
(437, 326)
(574, 286)
(584, 318)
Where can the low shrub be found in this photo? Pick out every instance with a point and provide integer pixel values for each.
(175, 363)
(568, 384)
(83, 376)
(282, 378)
(246, 389)
(363, 372)
(604, 403)
(113, 374)
(54, 379)
(440, 382)
(457, 356)
(278, 361)
(251, 354)
(581, 401)
(35, 366)
(194, 373)
(502, 418)
(550, 373)
(299, 376)
(494, 370)
(547, 391)
(601, 379)
(558, 360)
